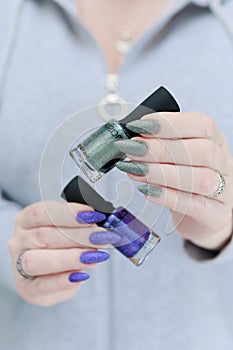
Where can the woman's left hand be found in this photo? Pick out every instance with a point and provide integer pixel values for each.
(179, 156)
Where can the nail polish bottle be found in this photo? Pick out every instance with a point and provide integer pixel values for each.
(137, 239)
(96, 155)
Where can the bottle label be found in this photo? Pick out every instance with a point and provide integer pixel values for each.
(114, 132)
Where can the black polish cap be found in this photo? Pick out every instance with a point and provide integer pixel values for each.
(79, 191)
(160, 100)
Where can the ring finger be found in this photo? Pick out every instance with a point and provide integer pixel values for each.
(198, 180)
(196, 152)
(45, 262)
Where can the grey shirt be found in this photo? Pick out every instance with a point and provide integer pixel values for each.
(181, 297)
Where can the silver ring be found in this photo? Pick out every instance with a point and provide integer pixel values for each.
(220, 188)
(20, 269)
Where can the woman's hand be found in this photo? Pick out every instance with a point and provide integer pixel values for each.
(178, 157)
(56, 261)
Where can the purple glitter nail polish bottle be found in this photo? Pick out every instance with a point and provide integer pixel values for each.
(137, 240)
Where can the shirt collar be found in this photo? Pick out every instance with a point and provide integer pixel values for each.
(71, 4)
(202, 3)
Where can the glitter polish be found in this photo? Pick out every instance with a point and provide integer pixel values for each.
(136, 239)
(104, 237)
(78, 277)
(150, 190)
(93, 257)
(97, 154)
(90, 217)
(135, 147)
(135, 168)
(144, 126)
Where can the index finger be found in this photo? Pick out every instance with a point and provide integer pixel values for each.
(51, 213)
(185, 125)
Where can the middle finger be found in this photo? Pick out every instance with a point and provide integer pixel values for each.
(195, 152)
(66, 237)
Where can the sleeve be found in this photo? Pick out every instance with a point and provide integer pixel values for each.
(8, 211)
(209, 256)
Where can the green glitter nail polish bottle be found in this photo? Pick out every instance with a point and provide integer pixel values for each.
(97, 154)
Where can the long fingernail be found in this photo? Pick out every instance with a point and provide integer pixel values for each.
(90, 217)
(94, 257)
(104, 237)
(144, 126)
(132, 147)
(150, 190)
(78, 276)
(135, 168)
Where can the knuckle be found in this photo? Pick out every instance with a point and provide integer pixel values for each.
(67, 261)
(40, 288)
(27, 263)
(208, 151)
(61, 283)
(40, 238)
(198, 204)
(11, 246)
(18, 218)
(208, 126)
(206, 182)
(36, 214)
(163, 152)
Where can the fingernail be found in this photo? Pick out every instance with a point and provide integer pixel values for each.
(144, 126)
(104, 237)
(150, 190)
(90, 217)
(94, 257)
(78, 276)
(135, 168)
(132, 147)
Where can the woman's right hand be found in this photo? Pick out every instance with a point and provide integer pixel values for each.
(56, 261)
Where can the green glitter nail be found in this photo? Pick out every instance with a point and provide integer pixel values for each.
(135, 168)
(144, 126)
(132, 147)
(150, 190)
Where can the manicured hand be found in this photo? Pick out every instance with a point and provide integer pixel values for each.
(178, 156)
(56, 261)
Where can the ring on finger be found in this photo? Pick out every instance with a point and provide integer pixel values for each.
(220, 188)
(20, 268)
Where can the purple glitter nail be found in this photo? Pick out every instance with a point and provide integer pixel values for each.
(94, 257)
(90, 217)
(78, 277)
(104, 237)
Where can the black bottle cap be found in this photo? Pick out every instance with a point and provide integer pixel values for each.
(79, 191)
(159, 101)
